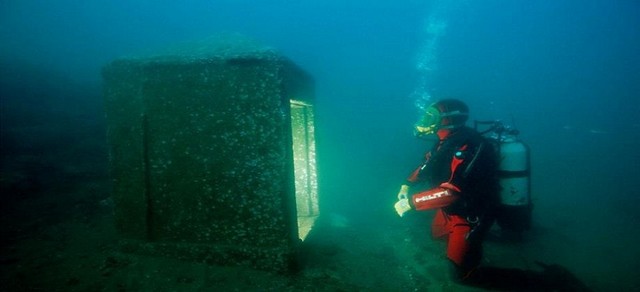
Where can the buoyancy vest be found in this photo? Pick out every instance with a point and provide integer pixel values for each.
(468, 161)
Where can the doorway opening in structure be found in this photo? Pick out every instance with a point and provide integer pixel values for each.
(304, 162)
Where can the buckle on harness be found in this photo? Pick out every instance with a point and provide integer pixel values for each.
(474, 223)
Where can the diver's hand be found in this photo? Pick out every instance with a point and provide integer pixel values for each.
(402, 206)
(404, 190)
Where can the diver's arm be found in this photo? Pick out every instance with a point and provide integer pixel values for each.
(439, 197)
(448, 192)
(442, 196)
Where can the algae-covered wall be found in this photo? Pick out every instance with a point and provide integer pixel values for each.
(201, 154)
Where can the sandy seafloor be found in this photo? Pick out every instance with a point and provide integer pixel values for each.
(64, 240)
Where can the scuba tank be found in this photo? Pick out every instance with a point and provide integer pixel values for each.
(515, 207)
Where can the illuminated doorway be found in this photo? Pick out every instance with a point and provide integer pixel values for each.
(304, 161)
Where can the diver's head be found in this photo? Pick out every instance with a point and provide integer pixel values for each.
(442, 118)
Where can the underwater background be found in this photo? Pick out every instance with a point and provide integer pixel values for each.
(565, 73)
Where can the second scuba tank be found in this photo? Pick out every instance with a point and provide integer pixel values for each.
(515, 207)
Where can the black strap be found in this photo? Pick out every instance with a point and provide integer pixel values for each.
(473, 160)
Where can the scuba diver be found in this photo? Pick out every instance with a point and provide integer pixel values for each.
(458, 178)
(462, 177)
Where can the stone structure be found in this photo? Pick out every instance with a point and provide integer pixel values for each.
(202, 154)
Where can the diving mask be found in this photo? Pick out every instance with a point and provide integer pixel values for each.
(428, 124)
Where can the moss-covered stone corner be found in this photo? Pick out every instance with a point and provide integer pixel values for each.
(201, 155)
